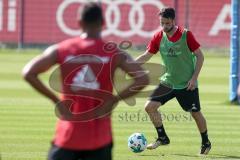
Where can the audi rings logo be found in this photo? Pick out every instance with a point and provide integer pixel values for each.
(136, 27)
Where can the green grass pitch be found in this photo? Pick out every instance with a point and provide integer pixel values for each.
(27, 120)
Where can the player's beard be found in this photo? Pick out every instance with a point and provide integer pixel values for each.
(169, 30)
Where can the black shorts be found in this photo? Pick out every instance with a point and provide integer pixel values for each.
(188, 100)
(58, 153)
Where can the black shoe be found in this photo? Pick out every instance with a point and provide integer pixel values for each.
(205, 148)
(160, 141)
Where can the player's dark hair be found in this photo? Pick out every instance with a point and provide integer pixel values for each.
(167, 12)
(91, 13)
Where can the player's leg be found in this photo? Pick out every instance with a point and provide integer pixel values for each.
(200, 121)
(202, 127)
(189, 101)
(104, 153)
(155, 116)
(160, 96)
(57, 153)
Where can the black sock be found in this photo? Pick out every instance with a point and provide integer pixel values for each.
(204, 136)
(161, 131)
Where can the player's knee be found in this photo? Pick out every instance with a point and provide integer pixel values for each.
(198, 116)
(148, 109)
(151, 107)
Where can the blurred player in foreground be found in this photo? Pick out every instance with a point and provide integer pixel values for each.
(86, 71)
(183, 59)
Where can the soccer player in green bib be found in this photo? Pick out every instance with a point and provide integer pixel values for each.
(183, 60)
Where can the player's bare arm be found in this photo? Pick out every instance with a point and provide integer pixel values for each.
(146, 56)
(199, 62)
(39, 65)
(134, 70)
(140, 80)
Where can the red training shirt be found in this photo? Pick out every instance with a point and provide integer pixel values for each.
(153, 46)
(95, 133)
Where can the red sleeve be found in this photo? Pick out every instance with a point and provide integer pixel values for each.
(153, 45)
(192, 43)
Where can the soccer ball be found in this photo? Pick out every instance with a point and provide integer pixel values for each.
(137, 142)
